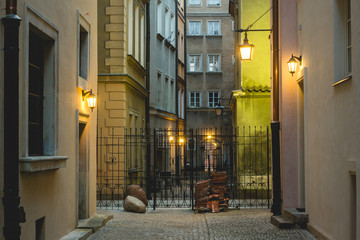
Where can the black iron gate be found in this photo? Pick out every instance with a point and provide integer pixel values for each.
(167, 163)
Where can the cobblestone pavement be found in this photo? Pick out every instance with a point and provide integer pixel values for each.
(184, 224)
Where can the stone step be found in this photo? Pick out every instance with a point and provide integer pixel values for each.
(281, 222)
(78, 234)
(94, 223)
(297, 217)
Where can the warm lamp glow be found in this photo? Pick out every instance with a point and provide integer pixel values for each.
(246, 49)
(209, 136)
(91, 99)
(171, 138)
(181, 140)
(292, 64)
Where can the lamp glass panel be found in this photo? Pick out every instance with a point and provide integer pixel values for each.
(246, 52)
(91, 101)
(292, 66)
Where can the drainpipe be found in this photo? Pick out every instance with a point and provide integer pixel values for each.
(13, 214)
(185, 67)
(176, 66)
(147, 101)
(275, 124)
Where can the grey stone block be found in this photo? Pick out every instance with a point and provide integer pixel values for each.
(78, 234)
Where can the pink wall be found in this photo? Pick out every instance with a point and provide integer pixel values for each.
(288, 103)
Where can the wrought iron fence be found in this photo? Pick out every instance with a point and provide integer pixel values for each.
(167, 163)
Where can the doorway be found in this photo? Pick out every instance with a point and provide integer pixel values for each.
(82, 173)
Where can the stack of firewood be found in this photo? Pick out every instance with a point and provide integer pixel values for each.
(212, 194)
(218, 188)
(202, 192)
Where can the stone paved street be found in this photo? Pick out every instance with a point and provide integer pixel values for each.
(184, 224)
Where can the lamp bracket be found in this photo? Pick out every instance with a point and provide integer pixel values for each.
(252, 30)
(85, 93)
(298, 58)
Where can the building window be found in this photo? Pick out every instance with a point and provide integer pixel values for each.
(137, 33)
(194, 2)
(194, 63)
(194, 99)
(160, 18)
(213, 27)
(42, 99)
(172, 35)
(83, 52)
(167, 22)
(213, 98)
(214, 63)
(348, 37)
(130, 20)
(213, 2)
(142, 40)
(36, 95)
(195, 28)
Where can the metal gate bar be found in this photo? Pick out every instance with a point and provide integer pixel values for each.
(168, 163)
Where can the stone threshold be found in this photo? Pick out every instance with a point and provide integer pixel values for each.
(88, 226)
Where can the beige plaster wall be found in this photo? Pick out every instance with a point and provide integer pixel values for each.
(53, 194)
(332, 116)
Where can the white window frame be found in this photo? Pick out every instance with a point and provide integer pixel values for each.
(208, 27)
(195, 21)
(208, 62)
(191, 4)
(200, 62)
(84, 27)
(193, 105)
(214, 5)
(51, 79)
(160, 21)
(213, 103)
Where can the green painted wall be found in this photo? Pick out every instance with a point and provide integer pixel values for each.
(254, 108)
(257, 71)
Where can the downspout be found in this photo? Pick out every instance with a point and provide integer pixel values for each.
(185, 66)
(147, 101)
(13, 214)
(275, 124)
(176, 66)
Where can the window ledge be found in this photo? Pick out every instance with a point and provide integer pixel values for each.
(159, 36)
(214, 73)
(42, 163)
(214, 36)
(342, 80)
(194, 73)
(136, 64)
(169, 45)
(195, 36)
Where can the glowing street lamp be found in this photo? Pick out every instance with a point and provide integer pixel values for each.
(246, 49)
(91, 99)
(292, 64)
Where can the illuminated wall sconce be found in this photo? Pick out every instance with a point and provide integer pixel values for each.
(292, 63)
(246, 49)
(91, 98)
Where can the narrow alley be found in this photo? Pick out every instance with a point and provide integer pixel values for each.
(184, 224)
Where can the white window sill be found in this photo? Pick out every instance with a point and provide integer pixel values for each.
(214, 72)
(42, 163)
(194, 73)
(195, 36)
(214, 36)
(342, 80)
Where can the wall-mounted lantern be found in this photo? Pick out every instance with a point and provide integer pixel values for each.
(91, 98)
(246, 49)
(292, 63)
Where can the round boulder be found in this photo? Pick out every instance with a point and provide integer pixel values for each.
(138, 192)
(132, 204)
